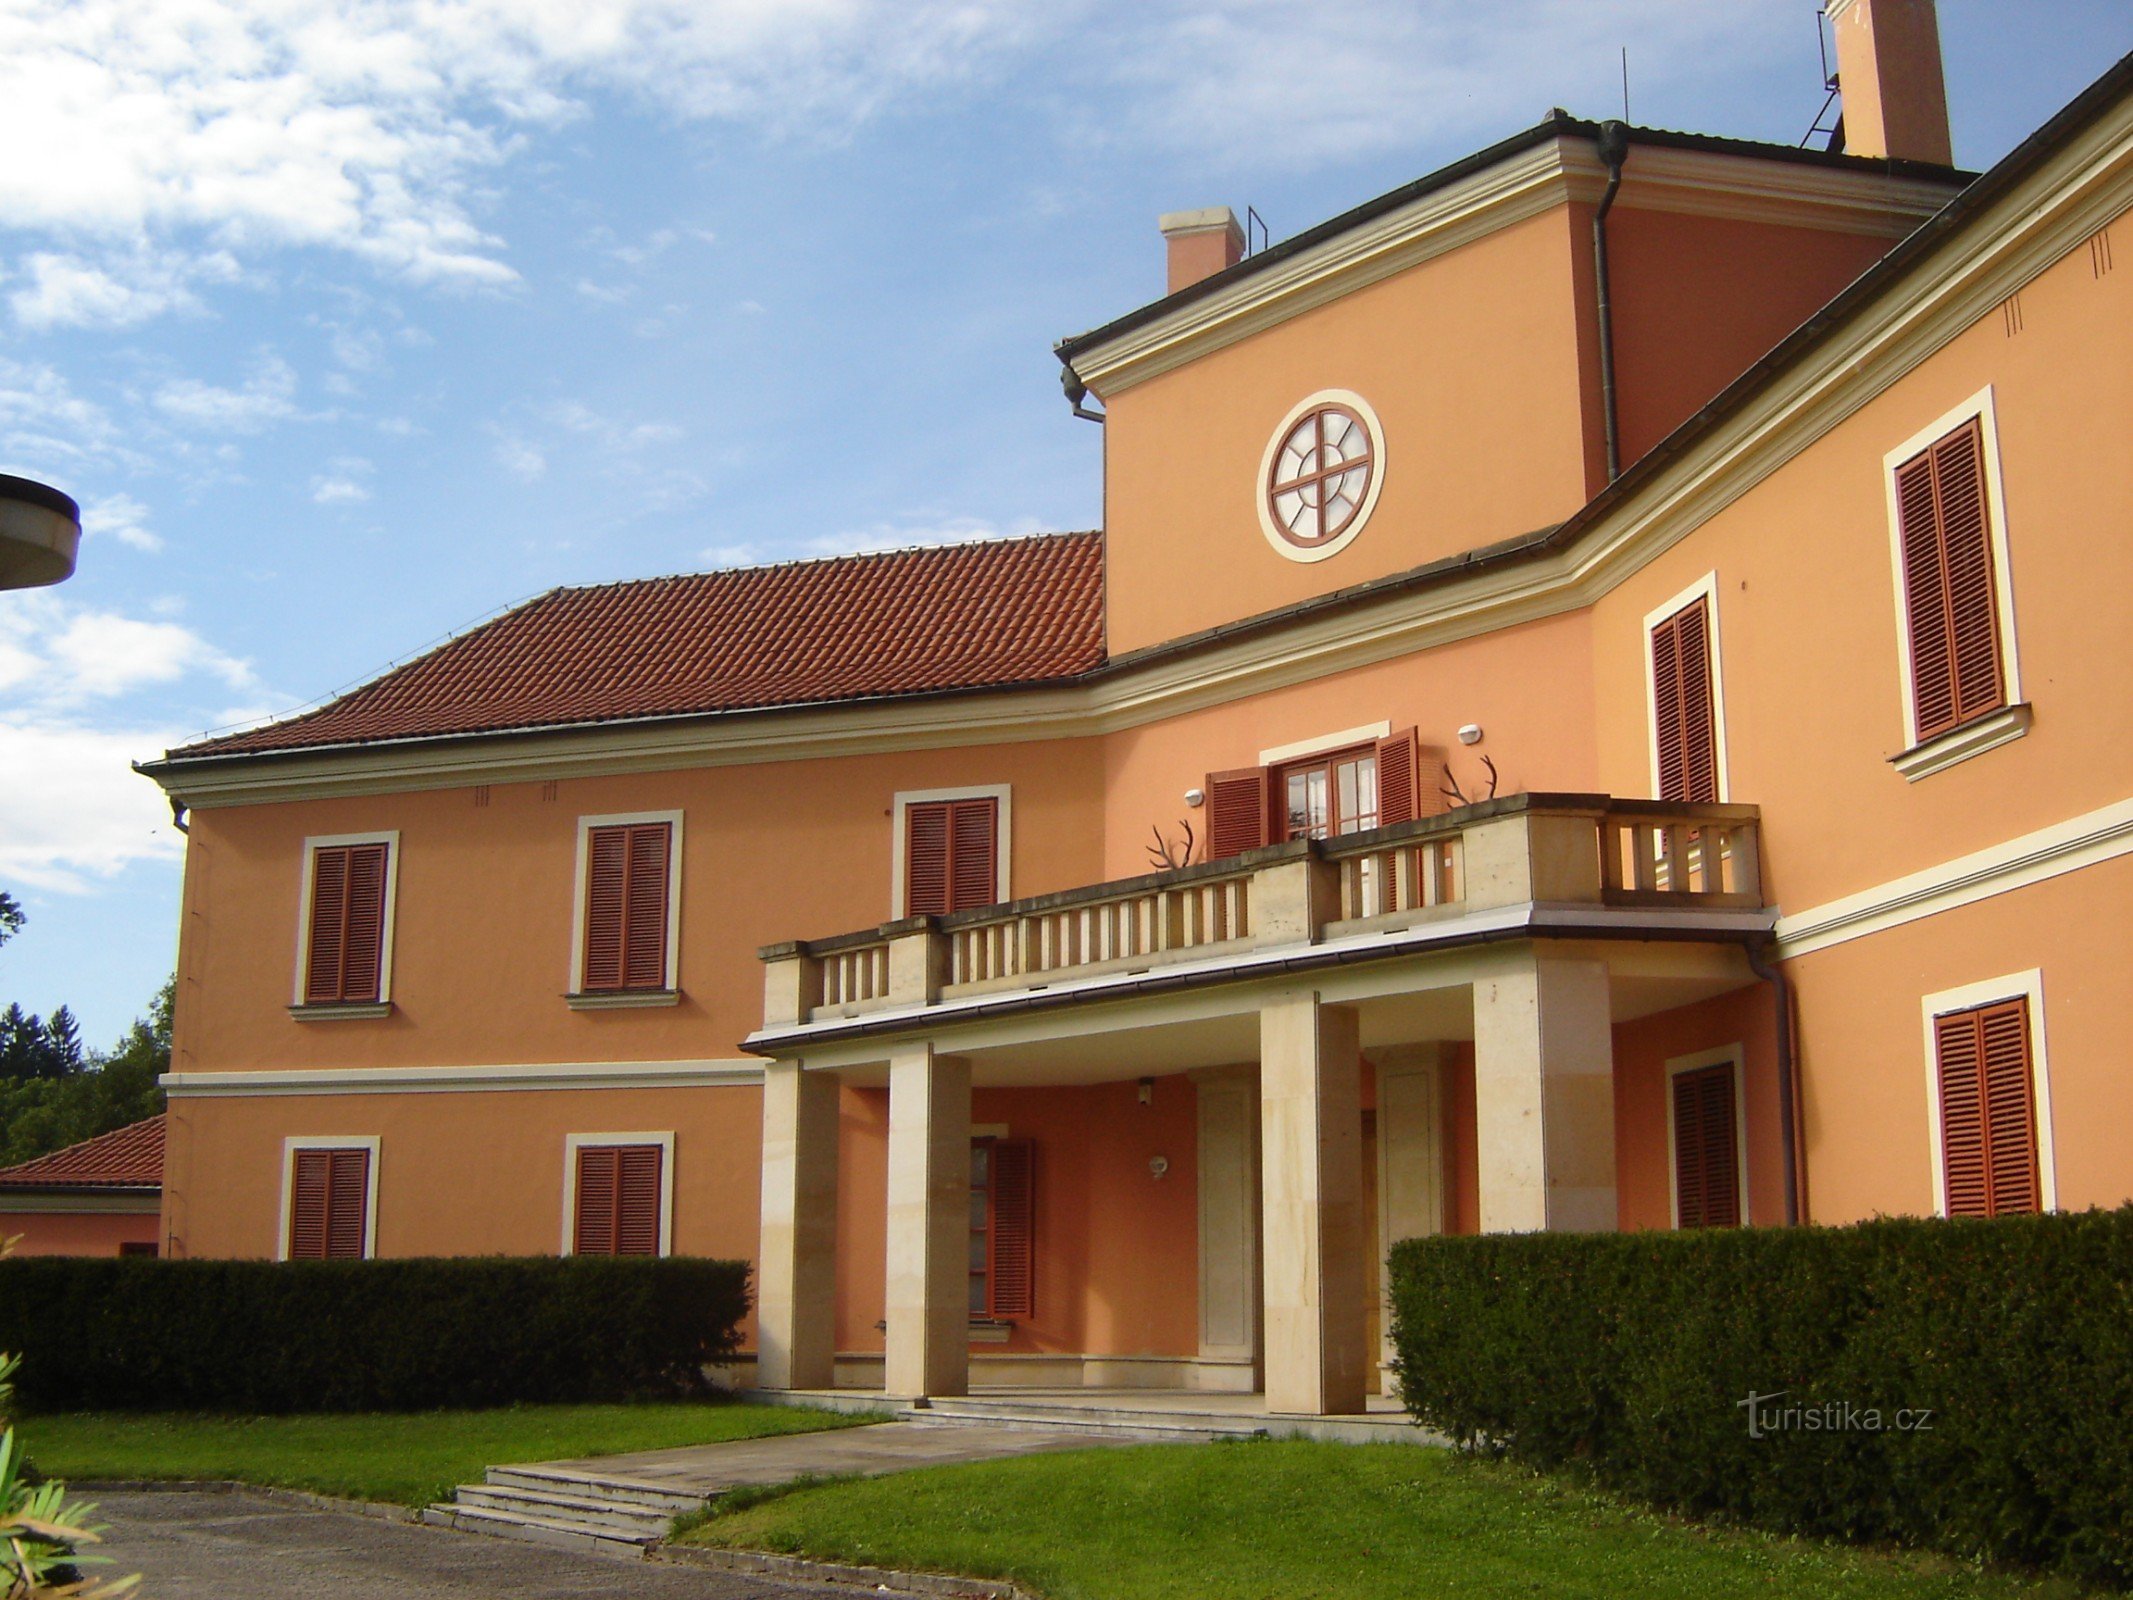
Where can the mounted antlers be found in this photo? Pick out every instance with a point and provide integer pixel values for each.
(1458, 796)
(1166, 857)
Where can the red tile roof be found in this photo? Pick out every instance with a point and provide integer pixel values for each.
(128, 1158)
(1010, 611)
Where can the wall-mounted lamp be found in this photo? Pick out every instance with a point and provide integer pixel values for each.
(1158, 1165)
(1195, 797)
(1147, 1091)
(1470, 734)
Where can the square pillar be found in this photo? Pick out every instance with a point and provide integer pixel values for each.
(1311, 1141)
(929, 1224)
(1544, 1095)
(1229, 1226)
(1410, 1195)
(796, 1275)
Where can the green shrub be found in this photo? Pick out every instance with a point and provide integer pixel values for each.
(1631, 1355)
(260, 1336)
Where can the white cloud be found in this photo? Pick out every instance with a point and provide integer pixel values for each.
(368, 126)
(268, 395)
(345, 485)
(906, 534)
(62, 654)
(43, 420)
(576, 417)
(89, 814)
(518, 456)
(123, 518)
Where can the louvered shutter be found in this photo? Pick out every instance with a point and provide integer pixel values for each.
(627, 872)
(363, 943)
(926, 859)
(637, 1200)
(1237, 808)
(348, 1183)
(1013, 1230)
(595, 1231)
(328, 1204)
(644, 953)
(329, 915)
(1950, 602)
(1707, 1148)
(973, 854)
(1987, 1111)
(309, 1186)
(1399, 778)
(1684, 722)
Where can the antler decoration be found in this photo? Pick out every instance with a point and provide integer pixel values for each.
(1167, 857)
(1458, 796)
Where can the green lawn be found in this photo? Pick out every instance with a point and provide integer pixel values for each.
(409, 1459)
(1302, 1521)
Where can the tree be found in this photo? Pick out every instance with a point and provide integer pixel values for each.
(43, 1110)
(12, 916)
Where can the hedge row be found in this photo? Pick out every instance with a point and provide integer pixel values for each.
(262, 1336)
(1963, 1386)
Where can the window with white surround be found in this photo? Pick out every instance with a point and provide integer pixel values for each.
(1684, 696)
(1954, 591)
(618, 1194)
(1707, 1138)
(1989, 1093)
(344, 926)
(950, 849)
(329, 1198)
(625, 941)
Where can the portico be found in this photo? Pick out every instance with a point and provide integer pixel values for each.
(1510, 938)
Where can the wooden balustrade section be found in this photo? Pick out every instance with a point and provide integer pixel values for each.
(1554, 849)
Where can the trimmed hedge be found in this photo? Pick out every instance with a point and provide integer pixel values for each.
(1631, 1354)
(263, 1336)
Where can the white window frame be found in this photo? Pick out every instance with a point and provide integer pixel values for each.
(1732, 1055)
(1003, 844)
(1705, 589)
(346, 1141)
(671, 979)
(1349, 400)
(2010, 986)
(2012, 720)
(573, 1143)
(1369, 734)
(390, 838)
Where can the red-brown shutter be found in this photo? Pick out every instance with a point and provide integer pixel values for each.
(1950, 603)
(1987, 1111)
(328, 1204)
(1014, 1228)
(1707, 1148)
(1237, 809)
(618, 1200)
(346, 959)
(1684, 723)
(329, 911)
(1399, 779)
(627, 872)
(951, 856)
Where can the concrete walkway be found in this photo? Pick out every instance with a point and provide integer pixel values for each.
(189, 1543)
(706, 1470)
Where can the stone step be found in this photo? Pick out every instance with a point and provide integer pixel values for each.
(1089, 1419)
(591, 1486)
(557, 1534)
(600, 1514)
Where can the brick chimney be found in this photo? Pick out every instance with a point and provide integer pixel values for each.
(1888, 66)
(1201, 244)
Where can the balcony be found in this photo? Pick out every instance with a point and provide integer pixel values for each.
(1527, 866)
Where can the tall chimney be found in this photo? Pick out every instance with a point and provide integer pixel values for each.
(1201, 244)
(1888, 67)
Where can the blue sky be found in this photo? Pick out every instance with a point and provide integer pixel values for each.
(351, 321)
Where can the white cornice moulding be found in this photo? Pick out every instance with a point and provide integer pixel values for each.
(2088, 185)
(2082, 841)
(736, 1071)
(81, 1203)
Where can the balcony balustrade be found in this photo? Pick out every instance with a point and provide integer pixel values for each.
(1540, 849)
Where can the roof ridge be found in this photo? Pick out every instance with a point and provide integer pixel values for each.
(792, 562)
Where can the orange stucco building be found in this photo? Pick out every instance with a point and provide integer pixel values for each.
(1599, 702)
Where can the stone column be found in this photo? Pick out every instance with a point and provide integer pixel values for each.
(1410, 1195)
(1229, 1228)
(1544, 1094)
(929, 1223)
(1311, 1132)
(796, 1276)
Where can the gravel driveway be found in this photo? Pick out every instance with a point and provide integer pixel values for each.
(237, 1546)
